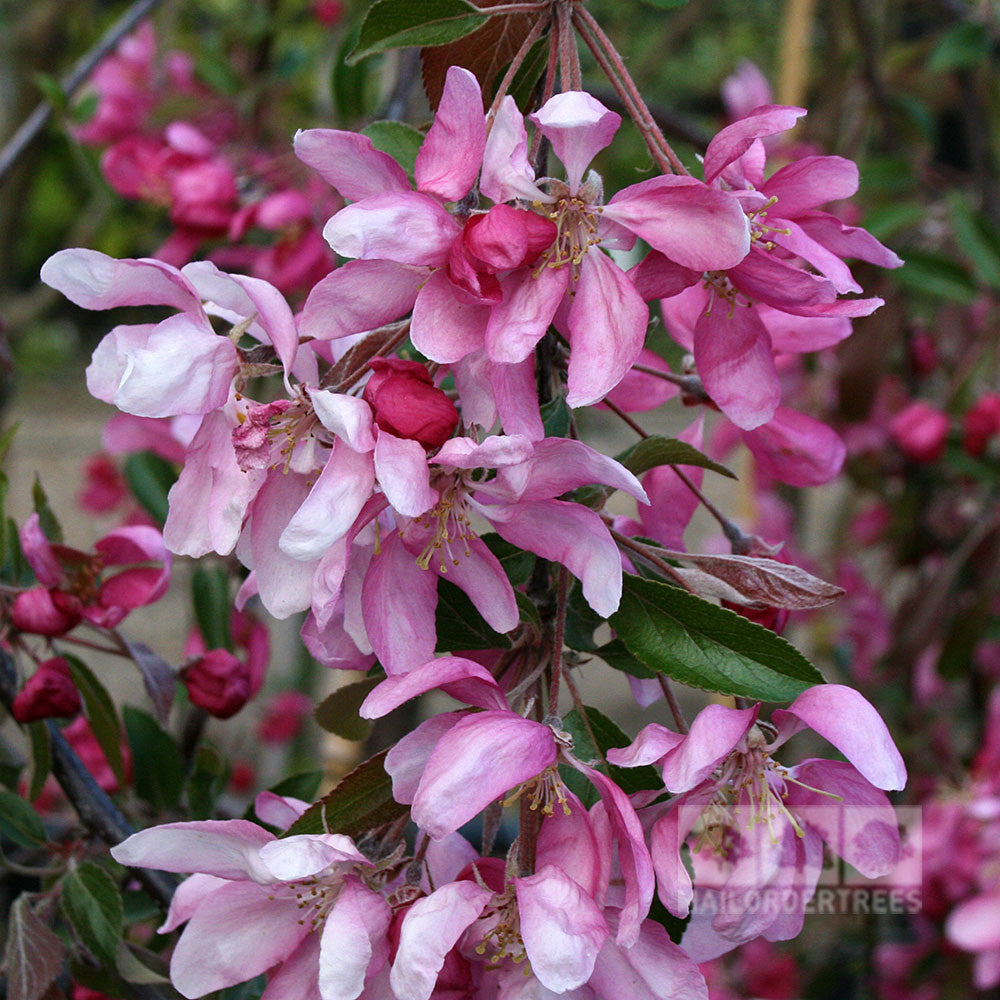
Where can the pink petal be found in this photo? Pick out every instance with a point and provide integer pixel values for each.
(406, 761)
(671, 503)
(283, 583)
(463, 679)
(570, 534)
(653, 968)
(799, 334)
(633, 857)
(811, 182)
(478, 572)
(430, 929)
(280, 811)
(349, 162)
(359, 295)
(579, 127)
(349, 417)
(607, 326)
(658, 277)
(734, 140)
(715, 733)
(694, 225)
(506, 172)
(210, 498)
(398, 602)
(296, 977)
(649, 747)
(135, 588)
(227, 848)
(733, 353)
(353, 934)
(516, 394)
(38, 551)
(975, 924)
(846, 719)
(333, 503)
(861, 827)
(401, 468)
(304, 855)
(561, 926)
(444, 328)
(847, 241)
(408, 228)
(176, 367)
(187, 897)
(95, 281)
(762, 277)
(575, 845)
(797, 242)
(240, 931)
(450, 157)
(673, 883)
(796, 449)
(530, 300)
(250, 297)
(495, 452)
(682, 311)
(474, 763)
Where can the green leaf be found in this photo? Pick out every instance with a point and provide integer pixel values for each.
(460, 625)
(887, 220)
(665, 4)
(15, 566)
(93, 906)
(158, 677)
(132, 970)
(84, 109)
(517, 563)
(212, 606)
(393, 24)
(49, 522)
(706, 646)
(556, 417)
(207, 781)
(360, 802)
(349, 84)
(657, 450)
(581, 621)
(150, 477)
(156, 759)
(34, 954)
(976, 239)
(525, 80)
(607, 735)
(7, 439)
(19, 821)
(402, 142)
(300, 786)
(338, 713)
(616, 655)
(52, 89)
(101, 714)
(41, 757)
(935, 275)
(140, 906)
(965, 45)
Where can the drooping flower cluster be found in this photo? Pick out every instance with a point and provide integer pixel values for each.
(372, 490)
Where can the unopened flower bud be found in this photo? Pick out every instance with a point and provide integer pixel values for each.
(920, 431)
(218, 683)
(49, 694)
(283, 716)
(41, 611)
(981, 423)
(407, 403)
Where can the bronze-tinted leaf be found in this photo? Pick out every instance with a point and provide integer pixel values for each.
(486, 53)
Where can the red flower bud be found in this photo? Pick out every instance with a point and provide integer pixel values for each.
(283, 716)
(406, 403)
(41, 611)
(218, 683)
(981, 423)
(49, 694)
(920, 431)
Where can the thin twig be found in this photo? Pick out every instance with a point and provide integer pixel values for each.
(508, 78)
(675, 709)
(559, 630)
(73, 80)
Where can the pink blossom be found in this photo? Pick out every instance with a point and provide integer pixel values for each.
(49, 693)
(217, 682)
(975, 926)
(245, 913)
(921, 431)
(780, 816)
(981, 422)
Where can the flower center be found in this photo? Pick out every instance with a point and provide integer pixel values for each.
(545, 791)
(451, 529)
(576, 232)
(759, 230)
(503, 940)
(315, 897)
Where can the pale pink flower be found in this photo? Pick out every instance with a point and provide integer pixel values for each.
(298, 908)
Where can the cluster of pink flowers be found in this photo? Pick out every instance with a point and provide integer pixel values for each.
(213, 188)
(350, 489)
